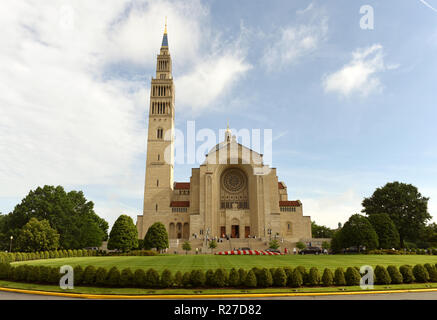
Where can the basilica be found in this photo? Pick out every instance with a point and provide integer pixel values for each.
(231, 195)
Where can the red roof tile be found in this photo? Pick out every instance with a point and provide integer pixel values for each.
(184, 204)
(289, 203)
(182, 185)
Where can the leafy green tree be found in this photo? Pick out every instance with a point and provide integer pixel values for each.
(69, 213)
(274, 244)
(156, 237)
(212, 245)
(388, 235)
(358, 231)
(124, 234)
(186, 246)
(337, 242)
(321, 231)
(326, 245)
(300, 245)
(404, 204)
(37, 236)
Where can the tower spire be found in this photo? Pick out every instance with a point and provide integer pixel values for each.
(164, 38)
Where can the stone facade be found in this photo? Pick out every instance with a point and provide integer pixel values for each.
(231, 194)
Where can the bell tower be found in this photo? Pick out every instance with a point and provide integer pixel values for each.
(160, 140)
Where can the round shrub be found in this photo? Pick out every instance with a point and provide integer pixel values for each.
(4, 270)
(220, 277)
(167, 279)
(101, 275)
(280, 278)
(250, 280)
(234, 278)
(339, 278)
(242, 275)
(126, 278)
(327, 278)
(178, 278)
(89, 275)
(407, 273)
(288, 271)
(395, 275)
(186, 279)
(78, 275)
(381, 275)
(46, 255)
(113, 278)
(314, 277)
(304, 274)
(79, 253)
(197, 278)
(139, 278)
(210, 279)
(33, 274)
(74, 252)
(296, 278)
(20, 273)
(432, 271)
(420, 273)
(264, 279)
(152, 278)
(272, 272)
(352, 277)
(44, 274)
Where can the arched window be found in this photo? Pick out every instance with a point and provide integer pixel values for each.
(156, 207)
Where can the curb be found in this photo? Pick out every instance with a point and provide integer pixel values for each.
(208, 296)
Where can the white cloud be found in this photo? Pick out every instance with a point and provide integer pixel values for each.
(66, 116)
(330, 209)
(293, 42)
(360, 75)
(210, 79)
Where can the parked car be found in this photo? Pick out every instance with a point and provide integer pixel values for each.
(245, 248)
(273, 250)
(312, 250)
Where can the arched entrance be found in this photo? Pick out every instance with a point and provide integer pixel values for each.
(235, 228)
(179, 230)
(186, 230)
(171, 231)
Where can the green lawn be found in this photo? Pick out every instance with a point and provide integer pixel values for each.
(189, 262)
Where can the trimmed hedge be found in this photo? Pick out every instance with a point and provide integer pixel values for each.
(395, 275)
(327, 278)
(407, 273)
(352, 276)
(381, 275)
(219, 278)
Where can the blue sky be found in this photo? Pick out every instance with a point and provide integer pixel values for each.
(350, 109)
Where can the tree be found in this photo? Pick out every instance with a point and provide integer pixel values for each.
(212, 245)
(71, 214)
(300, 245)
(405, 206)
(321, 231)
(388, 235)
(186, 246)
(37, 236)
(156, 237)
(274, 244)
(358, 231)
(326, 245)
(124, 234)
